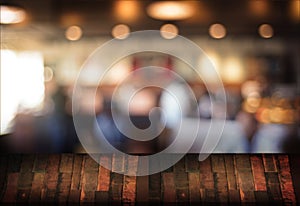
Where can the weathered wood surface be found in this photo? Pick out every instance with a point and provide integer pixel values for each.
(72, 178)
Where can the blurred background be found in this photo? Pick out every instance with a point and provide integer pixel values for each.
(253, 44)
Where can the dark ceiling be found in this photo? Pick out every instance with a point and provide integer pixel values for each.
(97, 17)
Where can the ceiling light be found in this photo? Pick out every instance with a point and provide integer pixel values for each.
(170, 10)
(217, 31)
(294, 10)
(127, 11)
(120, 31)
(11, 14)
(168, 31)
(265, 31)
(73, 33)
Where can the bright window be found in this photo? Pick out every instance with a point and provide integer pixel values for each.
(22, 84)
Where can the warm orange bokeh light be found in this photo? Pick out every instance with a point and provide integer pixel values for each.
(127, 11)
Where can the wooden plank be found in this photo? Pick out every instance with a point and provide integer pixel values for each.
(258, 173)
(37, 187)
(77, 163)
(89, 179)
(26, 175)
(234, 197)
(155, 187)
(285, 179)
(63, 188)
(81, 183)
(3, 174)
(217, 163)
(169, 191)
(25, 180)
(142, 188)
(23, 196)
(53, 163)
(209, 196)
(104, 173)
(51, 177)
(90, 165)
(11, 188)
(220, 179)
(87, 197)
(103, 179)
(245, 181)
(74, 196)
(261, 197)
(106, 160)
(179, 166)
(129, 190)
(247, 196)
(207, 184)
(66, 163)
(295, 173)
(118, 163)
(51, 196)
(181, 181)
(194, 187)
(131, 165)
(116, 187)
(40, 163)
(142, 182)
(27, 163)
(269, 163)
(244, 173)
(206, 175)
(14, 163)
(192, 163)
(102, 197)
(221, 186)
(242, 162)
(230, 172)
(273, 186)
(245, 178)
(76, 175)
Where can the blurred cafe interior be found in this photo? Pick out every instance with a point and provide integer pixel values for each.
(253, 45)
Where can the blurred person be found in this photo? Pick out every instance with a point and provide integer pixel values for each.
(139, 108)
(249, 126)
(269, 138)
(175, 101)
(41, 130)
(24, 137)
(50, 125)
(205, 106)
(107, 125)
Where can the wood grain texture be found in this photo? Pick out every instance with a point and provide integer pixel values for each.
(258, 173)
(169, 191)
(79, 179)
(245, 178)
(285, 179)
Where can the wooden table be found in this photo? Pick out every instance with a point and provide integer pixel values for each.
(73, 178)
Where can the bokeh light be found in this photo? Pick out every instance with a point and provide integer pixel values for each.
(170, 10)
(73, 33)
(266, 31)
(11, 14)
(217, 31)
(128, 11)
(168, 31)
(120, 31)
